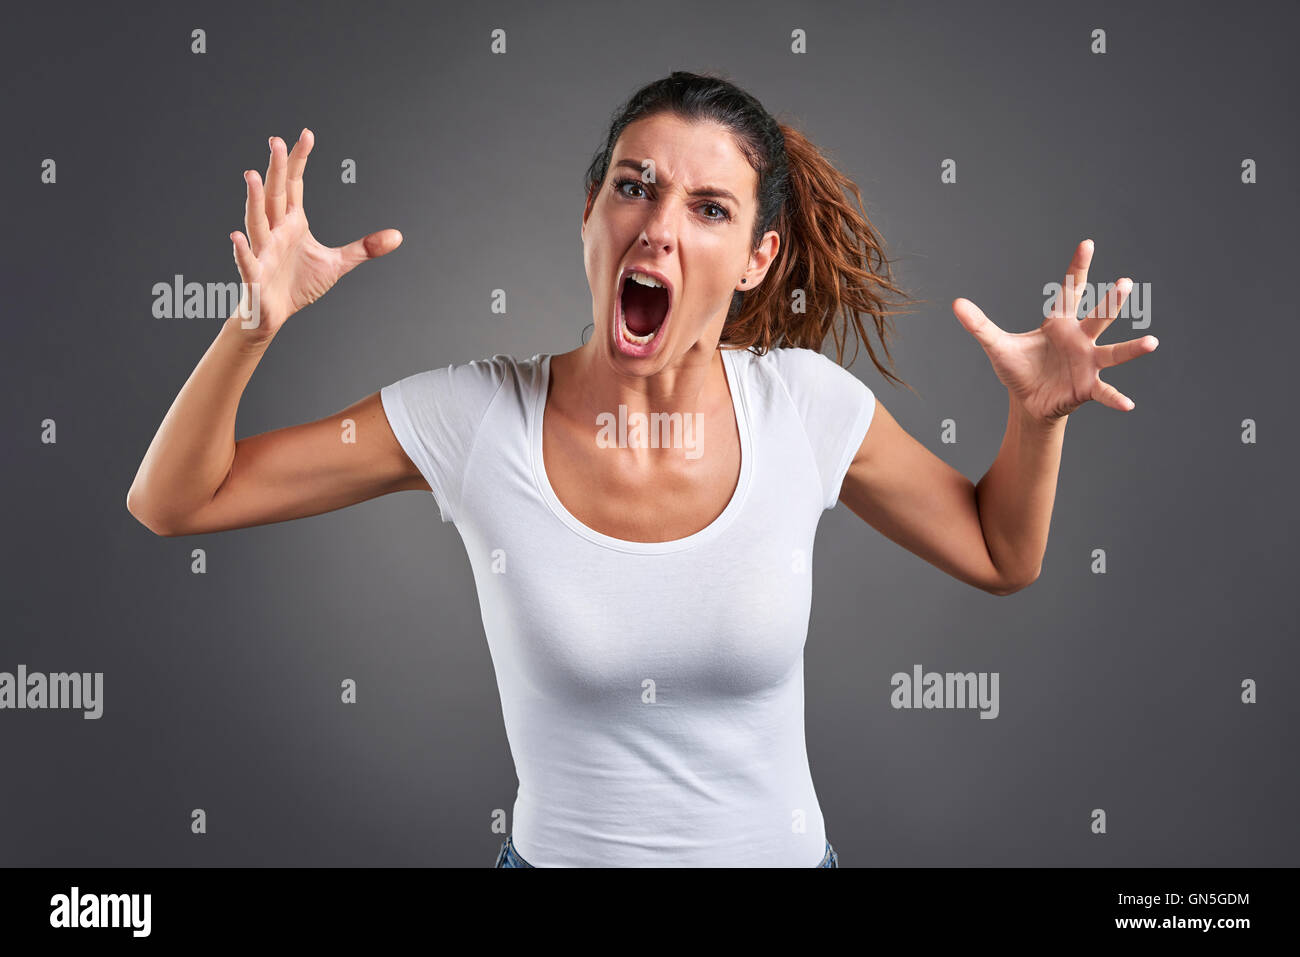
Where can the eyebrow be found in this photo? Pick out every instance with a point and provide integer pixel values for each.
(702, 191)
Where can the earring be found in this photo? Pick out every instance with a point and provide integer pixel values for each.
(743, 281)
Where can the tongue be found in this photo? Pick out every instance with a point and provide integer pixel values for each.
(644, 308)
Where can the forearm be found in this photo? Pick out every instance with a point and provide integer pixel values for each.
(191, 454)
(1016, 495)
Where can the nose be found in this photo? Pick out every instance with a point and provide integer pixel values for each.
(658, 233)
(655, 244)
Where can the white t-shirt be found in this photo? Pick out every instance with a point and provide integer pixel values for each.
(652, 693)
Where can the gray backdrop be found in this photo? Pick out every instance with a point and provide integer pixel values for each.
(1119, 691)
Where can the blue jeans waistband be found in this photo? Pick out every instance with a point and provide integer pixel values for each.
(509, 857)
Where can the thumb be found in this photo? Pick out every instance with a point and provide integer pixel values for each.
(369, 247)
(977, 324)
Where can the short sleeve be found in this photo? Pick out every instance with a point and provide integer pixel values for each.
(435, 416)
(836, 408)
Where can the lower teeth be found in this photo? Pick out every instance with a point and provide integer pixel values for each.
(632, 337)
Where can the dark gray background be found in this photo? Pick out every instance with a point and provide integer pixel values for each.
(222, 690)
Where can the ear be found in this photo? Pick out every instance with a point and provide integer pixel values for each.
(762, 258)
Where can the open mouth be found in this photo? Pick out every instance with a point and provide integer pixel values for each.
(644, 302)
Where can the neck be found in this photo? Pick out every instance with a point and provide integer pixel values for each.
(592, 382)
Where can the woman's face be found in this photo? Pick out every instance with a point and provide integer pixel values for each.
(680, 201)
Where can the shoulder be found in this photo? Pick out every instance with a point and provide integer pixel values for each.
(834, 406)
(806, 373)
(468, 383)
(436, 416)
(492, 369)
(447, 403)
(792, 359)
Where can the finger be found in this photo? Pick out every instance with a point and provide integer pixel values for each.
(259, 230)
(977, 324)
(276, 198)
(369, 247)
(297, 163)
(1113, 355)
(1104, 312)
(249, 267)
(1075, 279)
(1112, 398)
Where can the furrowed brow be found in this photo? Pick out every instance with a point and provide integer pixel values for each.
(715, 191)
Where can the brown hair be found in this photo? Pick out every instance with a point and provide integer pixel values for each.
(831, 264)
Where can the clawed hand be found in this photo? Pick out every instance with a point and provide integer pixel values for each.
(1054, 369)
(290, 267)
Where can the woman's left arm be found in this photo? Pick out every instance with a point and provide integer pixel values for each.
(1015, 497)
(993, 535)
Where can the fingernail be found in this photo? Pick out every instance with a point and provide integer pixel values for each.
(1089, 242)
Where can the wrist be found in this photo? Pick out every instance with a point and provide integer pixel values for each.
(249, 334)
(1029, 422)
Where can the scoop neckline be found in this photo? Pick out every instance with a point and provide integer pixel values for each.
(712, 530)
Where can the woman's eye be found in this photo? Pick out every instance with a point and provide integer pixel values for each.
(627, 182)
(721, 216)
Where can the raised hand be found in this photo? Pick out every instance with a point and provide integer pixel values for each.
(1054, 369)
(290, 268)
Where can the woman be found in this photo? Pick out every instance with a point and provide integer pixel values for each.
(645, 589)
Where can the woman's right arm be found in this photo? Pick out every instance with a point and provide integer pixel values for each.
(195, 476)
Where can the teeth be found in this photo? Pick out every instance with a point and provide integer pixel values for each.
(639, 340)
(645, 280)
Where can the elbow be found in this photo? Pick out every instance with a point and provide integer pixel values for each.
(1009, 586)
(150, 520)
(162, 531)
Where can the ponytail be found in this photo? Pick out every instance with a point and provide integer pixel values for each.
(831, 269)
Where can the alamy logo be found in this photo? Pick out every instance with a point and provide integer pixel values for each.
(1136, 307)
(214, 300)
(949, 690)
(102, 910)
(57, 690)
(658, 430)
